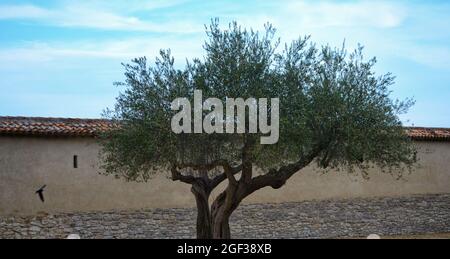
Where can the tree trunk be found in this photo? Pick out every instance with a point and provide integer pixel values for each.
(221, 211)
(214, 222)
(204, 224)
(221, 227)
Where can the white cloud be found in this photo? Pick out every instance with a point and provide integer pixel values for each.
(318, 14)
(389, 29)
(90, 18)
(79, 52)
(128, 5)
(23, 12)
(372, 23)
(433, 56)
(95, 16)
(115, 15)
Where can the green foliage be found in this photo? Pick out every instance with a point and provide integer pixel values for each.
(329, 100)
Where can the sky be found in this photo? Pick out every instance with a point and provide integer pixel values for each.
(60, 58)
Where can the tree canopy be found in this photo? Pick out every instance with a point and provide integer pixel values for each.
(334, 110)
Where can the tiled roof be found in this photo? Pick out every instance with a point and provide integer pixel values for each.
(58, 127)
(433, 134)
(63, 127)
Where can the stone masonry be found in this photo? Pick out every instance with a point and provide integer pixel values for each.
(312, 219)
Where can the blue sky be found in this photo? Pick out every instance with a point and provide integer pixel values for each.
(60, 58)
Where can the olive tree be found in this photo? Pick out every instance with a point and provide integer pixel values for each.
(334, 111)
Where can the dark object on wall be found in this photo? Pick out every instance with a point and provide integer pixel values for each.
(40, 192)
(75, 161)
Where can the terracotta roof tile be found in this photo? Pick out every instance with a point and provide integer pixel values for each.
(433, 134)
(58, 127)
(66, 127)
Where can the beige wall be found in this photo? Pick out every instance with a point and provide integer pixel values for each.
(28, 163)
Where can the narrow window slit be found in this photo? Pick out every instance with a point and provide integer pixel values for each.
(75, 161)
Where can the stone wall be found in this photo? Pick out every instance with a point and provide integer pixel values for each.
(312, 219)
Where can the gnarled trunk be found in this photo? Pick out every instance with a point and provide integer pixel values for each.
(212, 223)
(221, 211)
(221, 227)
(204, 223)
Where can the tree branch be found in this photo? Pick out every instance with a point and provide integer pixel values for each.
(177, 176)
(210, 183)
(222, 177)
(277, 178)
(247, 170)
(229, 173)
